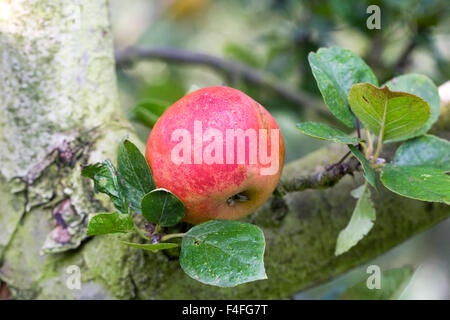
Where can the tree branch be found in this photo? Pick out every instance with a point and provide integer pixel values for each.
(326, 178)
(231, 69)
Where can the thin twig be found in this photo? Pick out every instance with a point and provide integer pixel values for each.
(320, 180)
(231, 69)
(328, 168)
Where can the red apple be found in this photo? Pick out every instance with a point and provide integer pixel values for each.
(219, 151)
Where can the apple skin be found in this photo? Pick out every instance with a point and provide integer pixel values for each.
(205, 188)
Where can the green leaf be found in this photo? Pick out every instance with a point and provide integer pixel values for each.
(324, 132)
(423, 87)
(336, 70)
(389, 114)
(148, 111)
(420, 170)
(369, 174)
(360, 223)
(105, 181)
(110, 222)
(155, 106)
(393, 283)
(223, 253)
(135, 178)
(162, 207)
(151, 246)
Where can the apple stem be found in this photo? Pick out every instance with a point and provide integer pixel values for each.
(173, 235)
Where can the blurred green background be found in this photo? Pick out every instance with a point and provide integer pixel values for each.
(272, 38)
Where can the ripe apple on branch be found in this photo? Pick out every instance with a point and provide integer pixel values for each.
(216, 154)
(215, 177)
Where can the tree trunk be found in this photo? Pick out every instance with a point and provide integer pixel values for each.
(59, 109)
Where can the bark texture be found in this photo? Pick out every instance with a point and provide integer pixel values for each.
(59, 109)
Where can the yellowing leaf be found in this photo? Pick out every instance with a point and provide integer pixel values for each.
(389, 114)
(423, 87)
